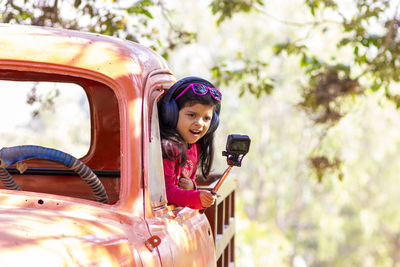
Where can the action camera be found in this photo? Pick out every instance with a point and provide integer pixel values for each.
(236, 147)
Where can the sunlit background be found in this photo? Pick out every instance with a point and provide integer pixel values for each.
(285, 215)
(32, 112)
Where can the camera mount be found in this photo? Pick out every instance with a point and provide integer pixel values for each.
(237, 147)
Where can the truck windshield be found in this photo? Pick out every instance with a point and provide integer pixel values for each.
(50, 114)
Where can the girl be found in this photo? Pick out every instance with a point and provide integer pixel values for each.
(188, 118)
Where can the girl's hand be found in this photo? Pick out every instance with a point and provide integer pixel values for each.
(207, 199)
(186, 183)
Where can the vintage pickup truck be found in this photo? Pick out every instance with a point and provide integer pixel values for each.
(96, 200)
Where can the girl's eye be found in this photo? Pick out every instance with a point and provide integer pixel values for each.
(208, 118)
(191, 115)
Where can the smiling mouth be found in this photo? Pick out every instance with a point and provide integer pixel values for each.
(195, 132)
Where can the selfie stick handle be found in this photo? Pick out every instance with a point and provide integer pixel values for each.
(221, 180)
(218, 185)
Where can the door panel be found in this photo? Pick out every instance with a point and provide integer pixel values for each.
(186, 238)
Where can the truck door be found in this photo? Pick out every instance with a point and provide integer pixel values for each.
(185, 234)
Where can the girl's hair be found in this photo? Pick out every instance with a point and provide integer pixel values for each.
(172, 142)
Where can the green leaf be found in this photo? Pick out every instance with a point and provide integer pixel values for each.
(148, 14)
(77, 3)
(355, 51)
(304, 62)
(226, 9)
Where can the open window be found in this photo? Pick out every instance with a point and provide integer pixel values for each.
(50, 114)
(70, 114)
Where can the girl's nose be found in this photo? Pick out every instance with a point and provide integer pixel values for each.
(200, 122)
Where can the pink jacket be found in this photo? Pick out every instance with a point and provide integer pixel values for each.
(172, 173)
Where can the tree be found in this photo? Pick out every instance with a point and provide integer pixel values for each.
(116, 18)
(129, 21)
(365, 60)
(370, 32)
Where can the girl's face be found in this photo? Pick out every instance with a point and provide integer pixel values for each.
(194, 121)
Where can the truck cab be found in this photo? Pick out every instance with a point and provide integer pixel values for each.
(109, 207)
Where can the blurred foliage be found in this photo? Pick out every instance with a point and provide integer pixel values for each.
(375, 54)
(115, 18)
(226, 9)
(250, 77)
(373, 64)
(374, 57)
(41, 101)
(321, 164)
(322, 98)
(287, 219)
(285, 216)
(371, 33)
